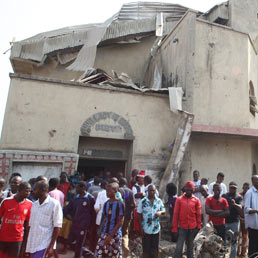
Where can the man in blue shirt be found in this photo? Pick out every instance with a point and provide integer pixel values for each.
(81, 208)
(110, 241)
(149, 210)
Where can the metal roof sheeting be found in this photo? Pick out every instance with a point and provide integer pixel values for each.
(133, 18)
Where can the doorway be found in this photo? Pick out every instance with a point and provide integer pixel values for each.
(90, 168)
(104, 154)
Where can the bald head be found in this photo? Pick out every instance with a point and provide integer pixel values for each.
(14, 184)
(42, 178)
(255, 181)
(40, 189)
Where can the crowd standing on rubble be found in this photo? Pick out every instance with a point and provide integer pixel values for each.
(96, 218)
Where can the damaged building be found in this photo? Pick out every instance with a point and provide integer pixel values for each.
(122, 95)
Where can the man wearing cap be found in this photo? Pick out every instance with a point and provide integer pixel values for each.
(235, 209)
(187, 220)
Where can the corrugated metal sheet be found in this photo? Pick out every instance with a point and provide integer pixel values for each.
(143, 10)
(133, 18)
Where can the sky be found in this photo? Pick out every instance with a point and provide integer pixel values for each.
(20, 19)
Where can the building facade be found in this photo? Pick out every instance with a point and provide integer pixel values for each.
(60, 117)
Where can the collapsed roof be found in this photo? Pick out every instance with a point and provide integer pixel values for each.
(75, 43)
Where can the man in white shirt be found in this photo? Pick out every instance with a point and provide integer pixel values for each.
(147, 183)
(197, 184)
(251, 217)
(45, 223)
(205, 195)
(220, 179)
(100, 201)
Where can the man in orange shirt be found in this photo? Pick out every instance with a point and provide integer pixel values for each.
(187, 220)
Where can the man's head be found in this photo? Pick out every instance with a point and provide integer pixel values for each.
(204, 190)
(151, 191)
(171, 189)
(40, 189)
(119, 175)
(196, 175)
(216, 190)
(232, 188)
(112, 188)
(122, 182)
(24, 190)
(2, 183)
(42, 178)
(14, 175)
(220, 178)
(107, 175)
(245, 187)
(96, 180)
(147, 180)
(53, 183)
(15, 182)
(255, 181)
(63, 177)
(189, 187)
(81, 188)
(134, 173)
(204, 181)
(32, 181)
(113, 180)
(104, 184)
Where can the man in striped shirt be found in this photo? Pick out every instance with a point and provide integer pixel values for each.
(110, 241)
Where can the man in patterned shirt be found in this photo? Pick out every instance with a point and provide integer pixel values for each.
(149, 210)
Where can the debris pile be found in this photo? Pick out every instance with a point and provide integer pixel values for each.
(100, 77)
(208, 244)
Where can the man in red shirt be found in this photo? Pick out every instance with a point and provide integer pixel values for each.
(187, 220)
(217, 208)
(14, 211)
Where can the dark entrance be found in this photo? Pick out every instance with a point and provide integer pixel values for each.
(89, 168)
(104, 154)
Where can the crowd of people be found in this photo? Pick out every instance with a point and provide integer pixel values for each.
(96, 218)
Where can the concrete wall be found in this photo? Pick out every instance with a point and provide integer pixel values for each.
(177, 55)
(243, 17)
(47, 116)
(252, 79)
(213, 154)
(221, 77)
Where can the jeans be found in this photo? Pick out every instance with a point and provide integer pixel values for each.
(185, 235)
(220, 231)
(235, 228)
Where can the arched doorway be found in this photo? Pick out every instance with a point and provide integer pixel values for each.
(105, 144)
